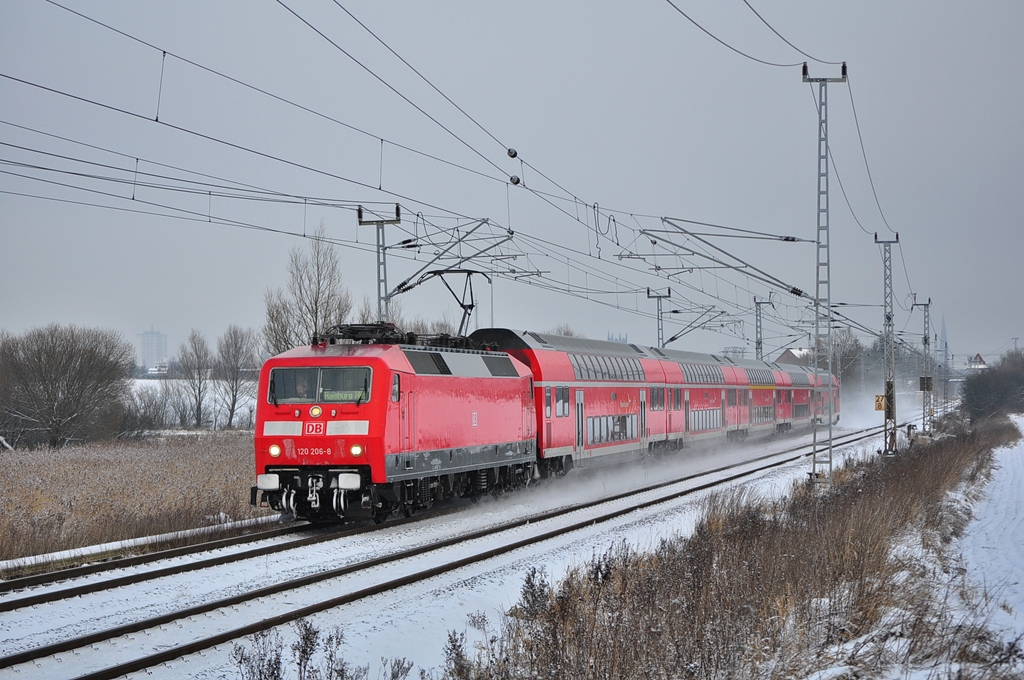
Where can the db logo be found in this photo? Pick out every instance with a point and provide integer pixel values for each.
(316, 427)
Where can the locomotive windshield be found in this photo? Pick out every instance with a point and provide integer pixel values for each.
(337, 385)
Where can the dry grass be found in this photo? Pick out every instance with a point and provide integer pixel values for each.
(97, 493)
(765, 589)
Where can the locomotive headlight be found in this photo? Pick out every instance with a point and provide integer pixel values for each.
(274, 450)
(315, 411)
(356, 450)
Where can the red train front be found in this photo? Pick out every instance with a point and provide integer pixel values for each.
(364, 430)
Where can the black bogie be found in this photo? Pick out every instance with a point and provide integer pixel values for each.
(310, 493)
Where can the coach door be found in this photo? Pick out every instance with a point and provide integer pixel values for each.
(686, 408)
(581, 422)
(643, 419)
(724, 422)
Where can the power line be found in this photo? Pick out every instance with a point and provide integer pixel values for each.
(725, 44)
(540, 194)
(422, 77)
(279, 98)
(389, 86)
(822, 61)
(232, 145)
(865, 155)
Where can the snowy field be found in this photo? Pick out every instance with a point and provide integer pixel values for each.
(414, 621)
(993, 547)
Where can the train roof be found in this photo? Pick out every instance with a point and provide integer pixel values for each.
(503, 338)
(420, 359)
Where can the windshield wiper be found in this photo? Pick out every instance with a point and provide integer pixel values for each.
(366, 388)
(273, 392)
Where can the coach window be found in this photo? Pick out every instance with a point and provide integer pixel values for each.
(547, 402)
(396, 388)
(587, 367)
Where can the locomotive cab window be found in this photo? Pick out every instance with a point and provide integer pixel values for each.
(339, 385)
(396, 388)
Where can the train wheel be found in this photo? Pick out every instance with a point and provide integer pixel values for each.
(380, 517)
(408, 510)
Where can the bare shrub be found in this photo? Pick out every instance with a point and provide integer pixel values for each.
(264, 660)
(760, 589)
(145, 410)
(111, 491)
(315, 657)
(999, 389)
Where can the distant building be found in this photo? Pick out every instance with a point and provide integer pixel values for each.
(976, 364)
(152, 348)
(795, 357)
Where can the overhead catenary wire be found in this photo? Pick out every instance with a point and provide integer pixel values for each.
(276, 97)
(864, 153)
(391, 87)
(555, 198)
(544, 196)
(233, 145)
(772, 29)
(725, 44)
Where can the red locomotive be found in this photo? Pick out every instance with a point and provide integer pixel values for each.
(382, 424)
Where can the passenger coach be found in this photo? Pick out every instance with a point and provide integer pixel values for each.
(602, 402)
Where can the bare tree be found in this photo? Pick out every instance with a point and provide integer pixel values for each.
(196, 365)
(236, 369)
(847, 350)
(314, 301)
(62, 383)
(564, 329)
(366, 313)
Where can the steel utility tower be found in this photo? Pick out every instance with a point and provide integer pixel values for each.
(926, 374)
(661, 325)
(889, 336)
(758, 334)
(821, 465)
(383, 300)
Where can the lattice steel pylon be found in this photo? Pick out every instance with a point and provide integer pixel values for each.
(821, 459)
(926, 372)
(383, 301)
(889, 338)
(758, 331)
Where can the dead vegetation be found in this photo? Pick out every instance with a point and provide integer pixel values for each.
(770, 589)
(59, 499)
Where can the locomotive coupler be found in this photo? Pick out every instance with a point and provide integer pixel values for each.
(316, 483)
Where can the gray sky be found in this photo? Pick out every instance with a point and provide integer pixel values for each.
(626, 105)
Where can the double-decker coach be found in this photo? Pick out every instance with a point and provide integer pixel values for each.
(602, 402)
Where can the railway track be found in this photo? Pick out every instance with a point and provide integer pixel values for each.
(321, 535)
(151, 640)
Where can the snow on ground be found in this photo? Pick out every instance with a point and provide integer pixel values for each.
(993, 544)
(414, 621)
